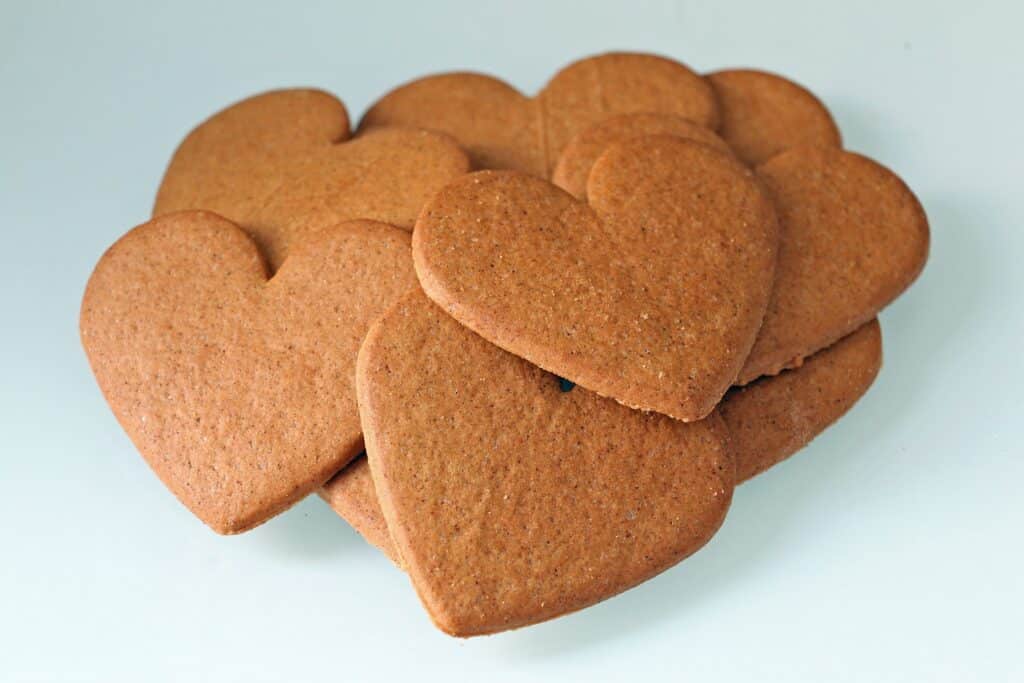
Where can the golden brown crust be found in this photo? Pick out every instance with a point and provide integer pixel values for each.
(582, 151)
(774, 417)
(651, 296)
(282, 165)
(238, 391)
(853, 237)
(503, 129)
(768, 421)
(763, 114)
(510, 501)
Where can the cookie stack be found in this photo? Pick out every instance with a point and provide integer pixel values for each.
(561, 328)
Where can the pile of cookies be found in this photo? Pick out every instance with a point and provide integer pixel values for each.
(561, 328)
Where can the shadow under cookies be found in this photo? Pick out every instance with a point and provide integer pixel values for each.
(310, 531)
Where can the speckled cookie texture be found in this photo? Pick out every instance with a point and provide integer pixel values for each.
(565, 499)
(503, 129)
(651, 295)
(774, 417)
(763, 114)
(283, 164)
(853, 237)
(238, 390)
(579, 155)
(767, 420)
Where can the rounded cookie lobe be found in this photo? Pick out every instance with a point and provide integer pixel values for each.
(763, 114)
(853, 237)
(238, 390)
(578, 156)
(595, 88)
(503, 129)
(282, 165)
(493, 121)
(651, 296)
(510, 501)
(774, 417)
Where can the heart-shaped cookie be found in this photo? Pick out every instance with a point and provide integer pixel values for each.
(767, 420)
(853, 237)
(579, 155)
(651, 295)
(763, 114)
(281, 165)
(511, 501)
(238, 391)
(503, 129)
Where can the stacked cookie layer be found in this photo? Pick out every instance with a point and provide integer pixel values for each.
(620, 298)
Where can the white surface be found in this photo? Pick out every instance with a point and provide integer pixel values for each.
(889, 550)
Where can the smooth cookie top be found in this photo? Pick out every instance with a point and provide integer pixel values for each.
(511, 501)
(651, 295)
(238, 390)
(763, 114)
(853, 237)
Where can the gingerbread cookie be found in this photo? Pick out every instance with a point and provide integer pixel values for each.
(768, 421)
(651, 295)
(503, 129)
(282, 165)
(853, 237)
(579, 155)
(237, 390)
(571, 499)
(763, 114)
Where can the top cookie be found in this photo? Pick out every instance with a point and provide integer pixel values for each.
(282, 164)
(763, 114)
(651, 295)
(503, 129)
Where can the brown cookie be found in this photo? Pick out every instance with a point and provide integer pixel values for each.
(652, 295)
(853, 237)
(763, 114)
(571, 499)
(579, 155)
(238, 390)
(503, 129)
(774, 417)
(768, 421)
(281, 165)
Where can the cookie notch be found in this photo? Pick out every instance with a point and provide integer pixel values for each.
(283, 164)
(238, 390)
(503, 129)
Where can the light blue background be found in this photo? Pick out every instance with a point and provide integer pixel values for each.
(890, 550)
